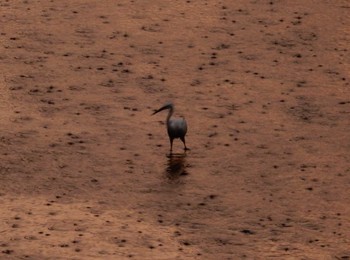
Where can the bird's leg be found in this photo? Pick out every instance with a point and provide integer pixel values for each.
(171, 144)
(183, 140)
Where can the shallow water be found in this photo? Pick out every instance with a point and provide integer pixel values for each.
(86, 171)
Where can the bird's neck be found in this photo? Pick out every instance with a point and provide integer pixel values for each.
(171, 111)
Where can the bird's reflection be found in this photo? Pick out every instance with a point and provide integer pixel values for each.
(176, 166)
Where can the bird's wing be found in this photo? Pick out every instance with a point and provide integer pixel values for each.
(177, 127)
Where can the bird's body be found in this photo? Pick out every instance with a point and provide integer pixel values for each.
(177, 127)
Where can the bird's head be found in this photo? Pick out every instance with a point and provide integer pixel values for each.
(168, 105)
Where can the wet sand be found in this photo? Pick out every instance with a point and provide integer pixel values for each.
(85, 169)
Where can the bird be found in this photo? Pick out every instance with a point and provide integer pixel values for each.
(177, 127)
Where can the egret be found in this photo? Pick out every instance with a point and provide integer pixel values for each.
(177, 127)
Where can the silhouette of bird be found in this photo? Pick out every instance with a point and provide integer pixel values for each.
(177, 127)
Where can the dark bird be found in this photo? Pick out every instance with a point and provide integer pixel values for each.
(177, 127)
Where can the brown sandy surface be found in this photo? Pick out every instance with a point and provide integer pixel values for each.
(85, 171)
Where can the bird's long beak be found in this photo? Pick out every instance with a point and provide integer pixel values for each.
(168, 106)
(155, 112)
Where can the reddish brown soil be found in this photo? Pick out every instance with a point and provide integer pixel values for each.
(85, 171)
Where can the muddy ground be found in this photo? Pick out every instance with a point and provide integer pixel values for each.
(85, 169)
